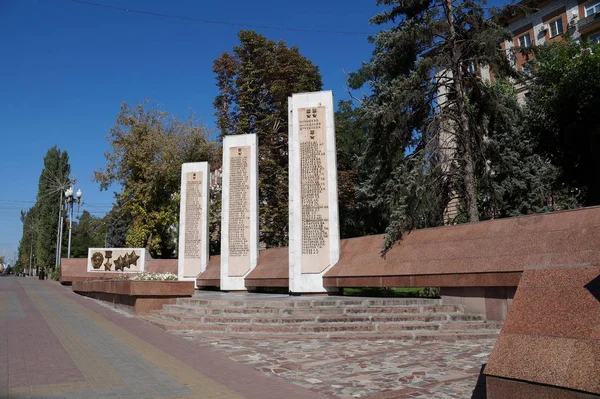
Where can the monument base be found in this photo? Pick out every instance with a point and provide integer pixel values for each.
(549, 346)
(137, 297)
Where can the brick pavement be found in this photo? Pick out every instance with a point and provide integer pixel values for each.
(56, 344)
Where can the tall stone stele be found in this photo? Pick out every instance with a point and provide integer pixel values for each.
(193, 221)
(239, 217)
(314, 235)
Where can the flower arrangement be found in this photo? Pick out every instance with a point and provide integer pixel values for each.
(154, 277)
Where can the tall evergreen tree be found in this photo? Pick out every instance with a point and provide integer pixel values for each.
(357, 218)
(516, 178)
(54, 180)
(254, 82)
(26, 251)
(425, 143)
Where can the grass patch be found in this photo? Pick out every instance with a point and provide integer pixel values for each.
(394, 292)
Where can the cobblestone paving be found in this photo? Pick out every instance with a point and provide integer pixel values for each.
(353, 368)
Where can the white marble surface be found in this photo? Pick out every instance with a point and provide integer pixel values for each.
(235, 283)
(310, 282)
(188, 271)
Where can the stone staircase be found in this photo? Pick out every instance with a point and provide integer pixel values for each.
(263, 315)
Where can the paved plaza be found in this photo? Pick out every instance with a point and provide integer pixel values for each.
(364, 368)
(56, 344)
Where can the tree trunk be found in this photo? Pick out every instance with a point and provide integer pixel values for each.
(463, 132)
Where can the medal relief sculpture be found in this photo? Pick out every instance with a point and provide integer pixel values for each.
(116, 259)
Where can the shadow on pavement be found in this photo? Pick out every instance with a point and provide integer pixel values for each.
(479, 391)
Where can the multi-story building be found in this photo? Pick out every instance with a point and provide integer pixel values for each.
(532, 23)
(535, 22)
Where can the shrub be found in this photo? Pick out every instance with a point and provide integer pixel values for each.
(154, 277)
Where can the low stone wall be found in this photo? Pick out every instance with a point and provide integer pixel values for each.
(138, 297)
(75, 269)
(478, 265)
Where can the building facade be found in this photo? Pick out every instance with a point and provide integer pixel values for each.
(534, 23)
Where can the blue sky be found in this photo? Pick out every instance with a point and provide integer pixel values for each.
(66, 67)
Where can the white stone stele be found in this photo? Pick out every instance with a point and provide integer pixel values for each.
(193, 257)
(114, 254)
(308, 277)
(234, 269)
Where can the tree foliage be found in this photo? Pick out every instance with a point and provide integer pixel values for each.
(561, 114)
(54, 179)
(425, 141)
(88, 232)
(357, 218)
(27, 243)
(148, 147)
(255, 80)
(40, 222)
(517, 179)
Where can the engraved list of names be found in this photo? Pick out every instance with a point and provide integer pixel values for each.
(239, 211)
(314, 189)
(193, 217)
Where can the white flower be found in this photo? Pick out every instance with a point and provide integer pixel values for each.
(154, 277)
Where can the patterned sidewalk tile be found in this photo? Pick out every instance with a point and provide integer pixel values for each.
(56, 344)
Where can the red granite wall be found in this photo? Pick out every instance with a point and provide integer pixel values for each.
(550, 343)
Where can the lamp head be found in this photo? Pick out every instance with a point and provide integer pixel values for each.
(79, 194)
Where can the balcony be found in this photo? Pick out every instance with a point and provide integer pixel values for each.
(589, 23)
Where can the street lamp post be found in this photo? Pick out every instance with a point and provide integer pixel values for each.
(70, 200)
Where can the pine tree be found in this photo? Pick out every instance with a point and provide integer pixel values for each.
(516, 178)
(357, 218)
(425, 140)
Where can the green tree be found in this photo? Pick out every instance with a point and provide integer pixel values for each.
(54, 180)
(357, 218)
(88, 232)
(148, 147)
(117, 222)
(255, 81)
(27, 251)
(561, 115)
(425, 140)
(516, 179)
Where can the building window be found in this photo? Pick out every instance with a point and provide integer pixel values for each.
(528, 69)
(525, 40)
(471, 67)
(594, 39)
(556, 27)
(592, 8)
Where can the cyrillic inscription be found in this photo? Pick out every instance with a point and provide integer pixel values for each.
(239, 211)
(314, 189)
(193, 216)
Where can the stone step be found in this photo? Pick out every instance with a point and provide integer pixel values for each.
(475, 325)
(339, 332)
(307, 303)
(321, 319)
(411, 309)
